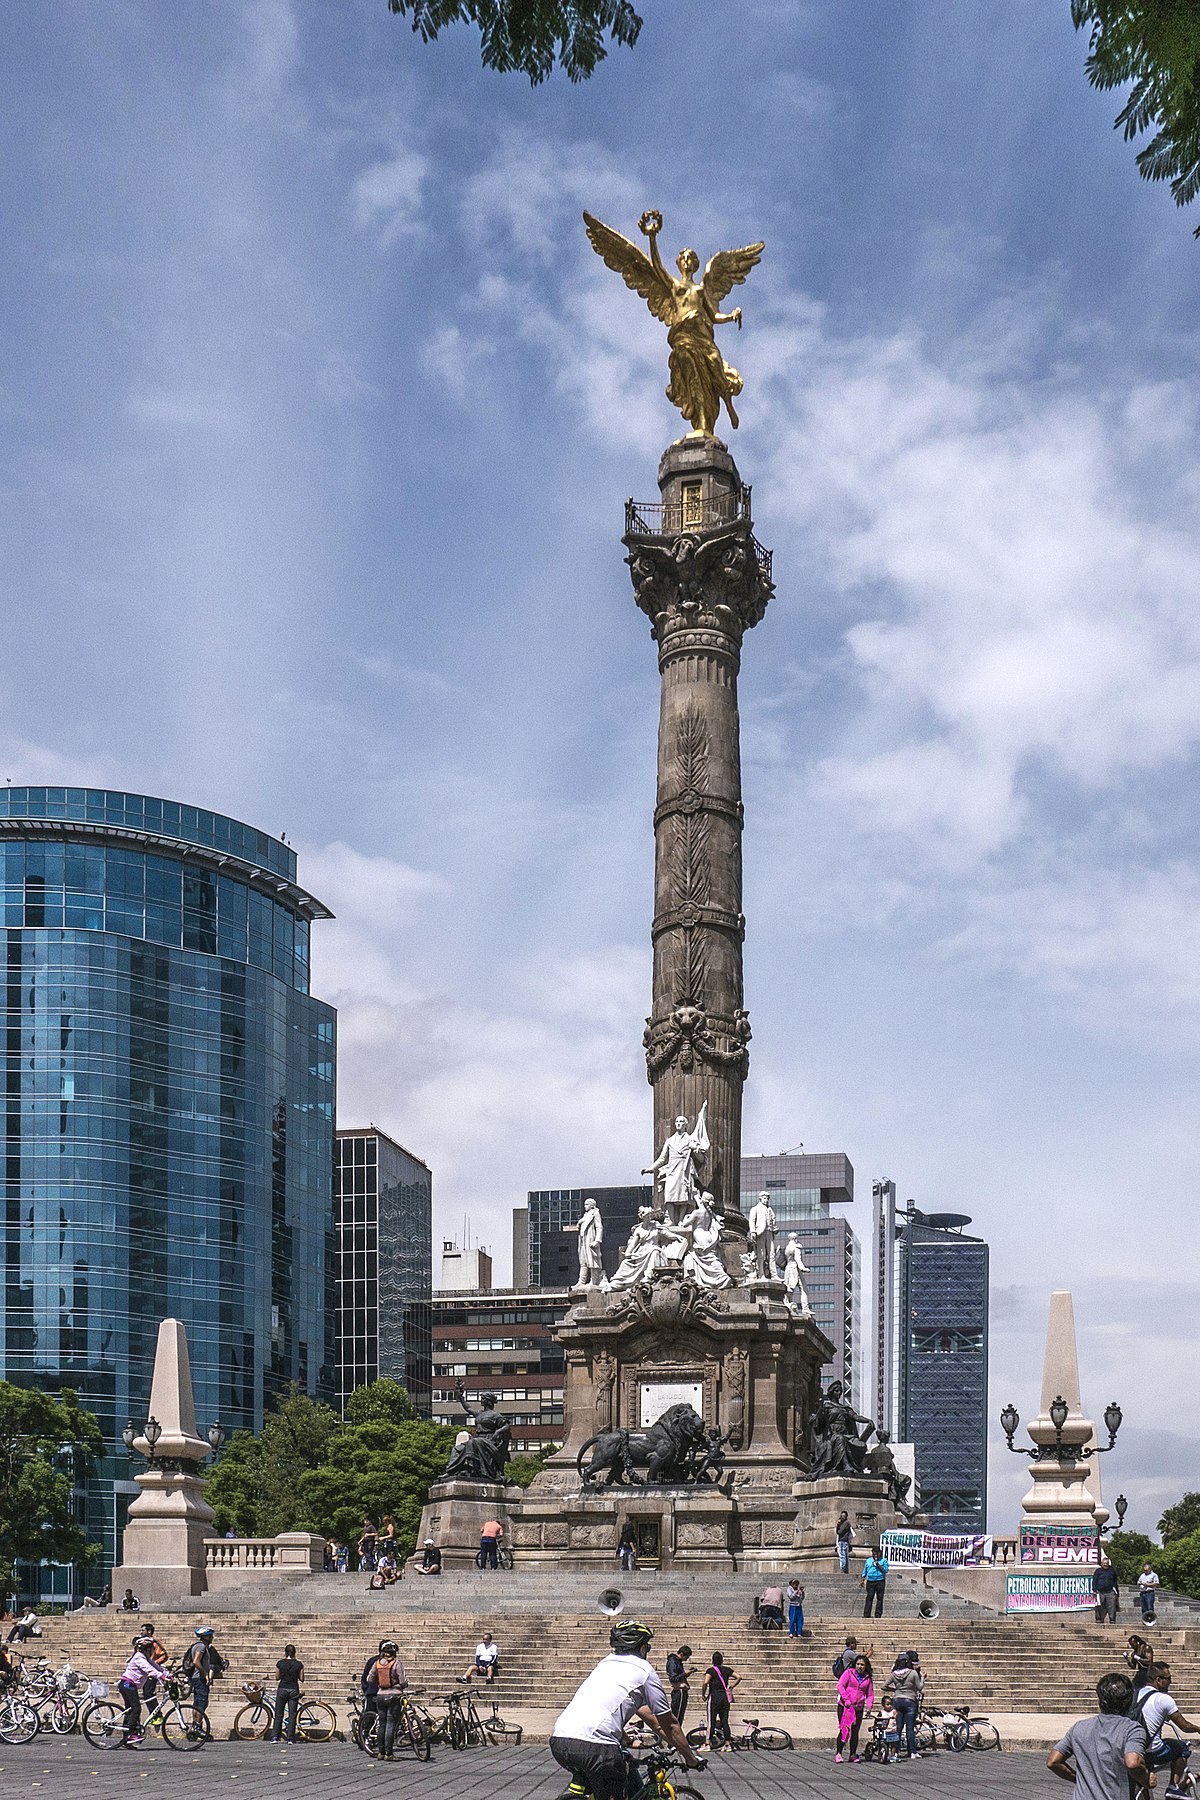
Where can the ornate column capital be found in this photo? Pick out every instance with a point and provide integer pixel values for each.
(701, 589)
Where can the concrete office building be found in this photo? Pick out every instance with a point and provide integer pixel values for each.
(502, 1342)
(466, 1271)
(804, 1189)
(383, 1202)
(168, 1117)
(941, 1363)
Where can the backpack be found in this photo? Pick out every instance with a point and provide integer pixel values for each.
(1137, 1706)
(189, 1659)
(385, 1672)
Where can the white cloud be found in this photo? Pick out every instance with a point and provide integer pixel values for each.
(386, 196)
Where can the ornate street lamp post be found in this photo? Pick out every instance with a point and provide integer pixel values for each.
(1059, 1410)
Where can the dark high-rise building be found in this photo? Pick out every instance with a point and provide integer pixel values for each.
(942, 1363)
(383, 1198)
(804, 1189)
(552, 1250)
(168, 1115)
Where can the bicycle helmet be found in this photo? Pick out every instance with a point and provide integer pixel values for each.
(630, 1638)
(388, 1648)
(203, 1631)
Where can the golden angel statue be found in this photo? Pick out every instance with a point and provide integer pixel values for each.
(701, 379)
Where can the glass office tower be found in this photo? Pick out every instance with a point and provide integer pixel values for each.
(168, 1114)
(942, 1363)
(383, 1199)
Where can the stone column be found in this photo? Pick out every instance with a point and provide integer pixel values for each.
(703, 580)
(164, 1555)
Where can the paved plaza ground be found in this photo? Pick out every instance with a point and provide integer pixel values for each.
(65, 1769)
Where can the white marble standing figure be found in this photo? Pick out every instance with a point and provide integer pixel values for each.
(591, 1240)
(762, 1238)
(677, 1163)
(794, 1269)
(701, 1261)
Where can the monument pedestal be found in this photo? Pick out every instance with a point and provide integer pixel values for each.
(820, 1502)
(455, 1513)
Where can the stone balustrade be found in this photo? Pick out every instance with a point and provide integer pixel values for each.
(230, 1562)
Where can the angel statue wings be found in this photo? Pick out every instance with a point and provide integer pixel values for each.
(701, 380)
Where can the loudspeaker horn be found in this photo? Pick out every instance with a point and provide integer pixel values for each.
(929, 1609)
(611, 1602)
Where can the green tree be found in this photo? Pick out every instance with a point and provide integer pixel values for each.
(532, 35)
(372, 1469)
(1178, 1564)
(255, 1485)
(1127, 1551)
(1155, 45)
(46, 1444)
(382, 1402)
(1181, 1519)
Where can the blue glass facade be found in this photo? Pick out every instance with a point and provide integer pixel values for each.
(168, 1112)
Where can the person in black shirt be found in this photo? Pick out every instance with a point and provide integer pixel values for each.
(287, 1694)
(431, 1559)
(1108, 1595)
(677, 1675)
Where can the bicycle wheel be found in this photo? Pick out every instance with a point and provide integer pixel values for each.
(253, 1721)
(771, 1737)
(926, 1736)
(418, 1739)
(103, 1725)
(985, 1737)
(315, 1721)
(459, 1734)
(956, 1737)
(64, 1715)
(697, 1737)
(185, 1727)
(19, 1722)
(500, 1731)
(506, 1558)
(365, 1732)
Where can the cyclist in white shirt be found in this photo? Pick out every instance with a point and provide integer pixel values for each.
(1154, 1706)
(587, 1735)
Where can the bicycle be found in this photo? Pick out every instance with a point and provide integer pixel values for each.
(656, 1768)
(180, 1725)
(411, 1729)
(316, 1723)
(962, 1732)
(499, 1730)
(460, 1724)
(19, 1721)
(504, 1557)
(753, 1737)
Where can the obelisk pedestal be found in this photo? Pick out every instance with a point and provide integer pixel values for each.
(164, 1552)
(1061, 1493)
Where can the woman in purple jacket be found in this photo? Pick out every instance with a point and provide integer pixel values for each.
(855, 1696)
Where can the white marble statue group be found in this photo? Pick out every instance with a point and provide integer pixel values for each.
(683, 1236)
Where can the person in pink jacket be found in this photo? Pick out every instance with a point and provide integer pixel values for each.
(138, 1671)
(855, 1697)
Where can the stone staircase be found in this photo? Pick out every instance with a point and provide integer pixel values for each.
(1027, 1665)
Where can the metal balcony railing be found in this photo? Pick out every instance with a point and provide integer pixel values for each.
(646, 518)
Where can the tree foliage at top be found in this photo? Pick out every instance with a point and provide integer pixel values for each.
(254, 1486)
(40, 1439)
(531, 36)
(1155, 44)
(382, 1402)
(1181, 1519)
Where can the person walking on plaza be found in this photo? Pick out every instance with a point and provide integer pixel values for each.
(719, 1683)
(1154, 1706)
(1107, 1592)
(490, 1533)
(368, 1537)
(587, 1738)
(906, 1686)
(203, 1664)
(1147, 1587)
(1104, 1755)
(678, 1675)
(290, 1673)
(874, 1579)
(385, 1683)
(855, 1697)
(140, 1671)
(843, 1537)
(795, 1607)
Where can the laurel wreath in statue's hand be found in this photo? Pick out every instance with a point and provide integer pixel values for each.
(650, 224)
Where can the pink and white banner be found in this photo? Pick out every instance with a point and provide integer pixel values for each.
(1048, 1593)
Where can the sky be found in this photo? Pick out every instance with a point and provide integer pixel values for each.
(317, 418)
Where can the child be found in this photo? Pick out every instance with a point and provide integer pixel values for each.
(889, 1730)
